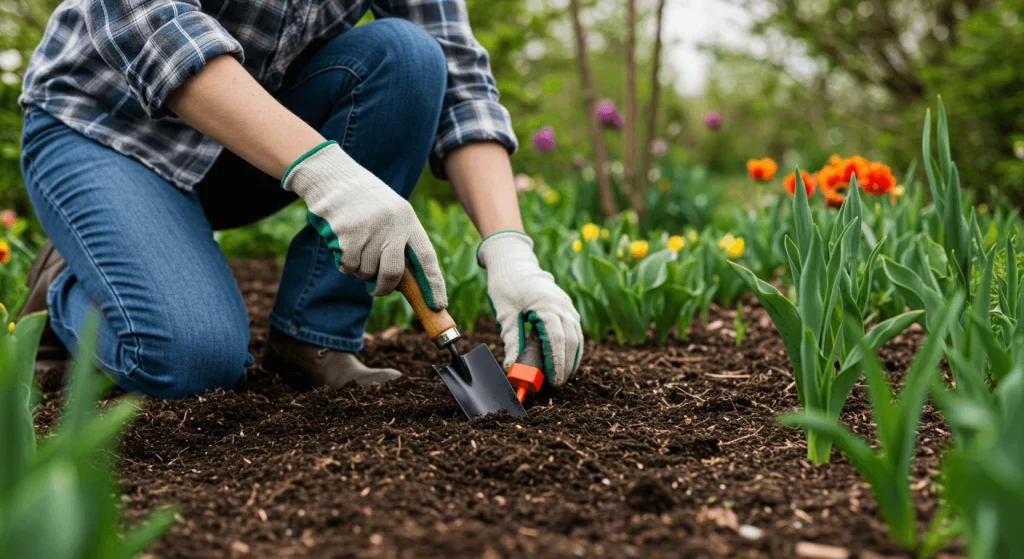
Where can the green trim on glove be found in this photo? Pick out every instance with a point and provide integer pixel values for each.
(324, 228)
(304, 156)
(421, 278)
(492, 235)
(542, 333)
(495, 311)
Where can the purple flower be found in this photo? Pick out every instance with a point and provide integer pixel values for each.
(608, 115)
(579, 161)
(544, 139)
(713, 120)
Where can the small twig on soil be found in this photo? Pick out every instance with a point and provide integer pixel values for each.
(730, 375)
(744, 437)
(252, 496)
(183, 418)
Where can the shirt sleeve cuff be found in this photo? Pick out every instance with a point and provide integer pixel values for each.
(175, 52)
(471, 121)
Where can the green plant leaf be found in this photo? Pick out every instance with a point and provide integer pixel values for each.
(782, 312)
(802, 221)
(849, 371)
(937, 190)
(653, 270)
(808, 296)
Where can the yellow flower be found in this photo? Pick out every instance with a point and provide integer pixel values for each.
(676, 243)
(736, 248)
(725, 241)
(638, 249)
(691, 235)
(577, 245)
(590, 232)
(900, 190)
(604, 234)
(5, 251)
(664, 185)
(10, 327)
(551, 196)
(983, 209)
(3, 309)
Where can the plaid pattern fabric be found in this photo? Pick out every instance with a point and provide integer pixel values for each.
(106, 67)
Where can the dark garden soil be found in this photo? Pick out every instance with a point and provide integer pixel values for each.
(667, 451)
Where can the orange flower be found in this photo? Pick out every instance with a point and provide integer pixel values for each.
(5, 251)
(830, 178)
(833, 198)
(855, 164)
(878, 178)
(835, 160)
(790, 182)
(762, 169)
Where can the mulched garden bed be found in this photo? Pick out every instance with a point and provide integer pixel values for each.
(660, 451)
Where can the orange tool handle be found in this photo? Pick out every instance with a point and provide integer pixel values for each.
(526, 374)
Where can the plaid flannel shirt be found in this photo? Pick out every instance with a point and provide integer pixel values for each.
(106, 67)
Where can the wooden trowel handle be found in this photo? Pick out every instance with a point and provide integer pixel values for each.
(439, 325)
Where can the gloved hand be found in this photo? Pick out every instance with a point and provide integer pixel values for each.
(368, 226)
(520, 292)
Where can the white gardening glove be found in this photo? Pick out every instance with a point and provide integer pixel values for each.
(368, 226)
(520, 292)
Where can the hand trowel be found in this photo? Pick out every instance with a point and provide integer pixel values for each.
(476, 380)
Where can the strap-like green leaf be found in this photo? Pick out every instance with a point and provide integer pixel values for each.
(802, 222)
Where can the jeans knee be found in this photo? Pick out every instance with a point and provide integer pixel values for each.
(412, 64)
(191, 359)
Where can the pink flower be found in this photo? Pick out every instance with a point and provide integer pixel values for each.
(608, 115)
(8, 218)
(524, 182)
(713, 120)
(658, 147)
(544, 140)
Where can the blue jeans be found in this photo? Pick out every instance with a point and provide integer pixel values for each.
(173, 321)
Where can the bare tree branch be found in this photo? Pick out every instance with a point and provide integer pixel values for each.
(652, 104)
(608, 205)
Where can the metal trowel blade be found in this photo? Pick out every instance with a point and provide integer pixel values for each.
(479, 385)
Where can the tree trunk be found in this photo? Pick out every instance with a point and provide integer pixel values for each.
(636, 193)
(609, 207)
(655, 99)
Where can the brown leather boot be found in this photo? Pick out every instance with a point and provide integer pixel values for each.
(47, 264)
(304, 366)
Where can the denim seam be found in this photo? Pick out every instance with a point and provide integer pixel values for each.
(316, 338)
(349, 69)
(50, 296)
(137, 358)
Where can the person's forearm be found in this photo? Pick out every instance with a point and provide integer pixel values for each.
(481, 175)
(226, 104)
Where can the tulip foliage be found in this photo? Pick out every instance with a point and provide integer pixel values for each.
(57, 497)
(832, 283)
